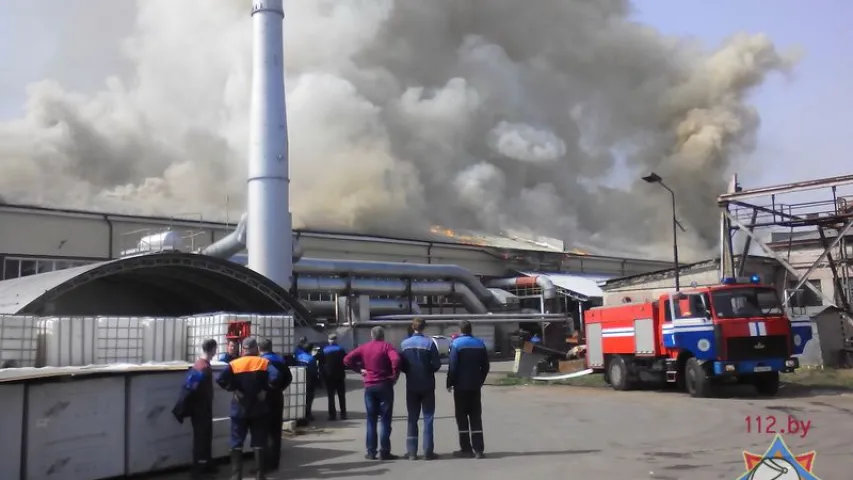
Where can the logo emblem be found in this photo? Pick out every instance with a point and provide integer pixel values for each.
(778, 463)
(759, 346)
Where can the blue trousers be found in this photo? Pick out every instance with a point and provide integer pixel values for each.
(415, 403)
(379, 405)
(240, 427)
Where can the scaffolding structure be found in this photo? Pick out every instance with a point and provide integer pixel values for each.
(825, 218)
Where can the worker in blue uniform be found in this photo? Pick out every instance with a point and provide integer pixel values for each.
(335, 375)
(196, 402)
(232, 351)
(420, 362)
(466, 373)
(251, 378)
(304, 358)
(275, 402)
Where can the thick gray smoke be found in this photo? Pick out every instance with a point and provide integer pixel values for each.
(504, 116)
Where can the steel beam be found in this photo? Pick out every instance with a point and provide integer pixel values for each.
(793, 271)
(746, 245)
(785, 188)
(823, 254)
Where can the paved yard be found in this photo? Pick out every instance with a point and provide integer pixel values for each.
(585, 433)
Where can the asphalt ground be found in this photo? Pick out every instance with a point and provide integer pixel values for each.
(544, 432)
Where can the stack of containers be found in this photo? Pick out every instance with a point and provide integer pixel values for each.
(278, 328)
(18, 340)
(78, 341)
(164, 339)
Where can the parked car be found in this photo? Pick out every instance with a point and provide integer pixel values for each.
(443, 344)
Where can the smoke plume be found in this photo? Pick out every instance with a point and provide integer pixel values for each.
(533, 117)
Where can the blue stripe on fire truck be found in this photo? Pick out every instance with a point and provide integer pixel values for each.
(695, 335)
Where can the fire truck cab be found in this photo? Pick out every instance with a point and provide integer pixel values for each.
(696, 338)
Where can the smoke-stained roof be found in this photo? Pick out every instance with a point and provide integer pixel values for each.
(172, 283)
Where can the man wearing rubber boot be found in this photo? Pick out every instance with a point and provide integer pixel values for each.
(420, 362)
(196, 402)
(250, 378)
(336, 376)
(275, 403)
(466, 373)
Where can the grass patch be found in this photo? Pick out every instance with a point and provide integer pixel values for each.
(828, 378)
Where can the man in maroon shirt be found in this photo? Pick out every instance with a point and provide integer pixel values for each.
(379, 364)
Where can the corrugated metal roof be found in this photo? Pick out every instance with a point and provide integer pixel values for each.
(584, 284)
(17, 293)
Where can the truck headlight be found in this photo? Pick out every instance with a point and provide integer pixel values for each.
(790, 363)
(730, 368)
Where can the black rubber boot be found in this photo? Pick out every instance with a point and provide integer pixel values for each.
(259, 464)
(236, 464)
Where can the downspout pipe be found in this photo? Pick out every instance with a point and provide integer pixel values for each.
(549, 291)
(358, 268)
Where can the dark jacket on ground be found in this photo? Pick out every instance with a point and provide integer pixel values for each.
(420, 362)
(469, 364)
(333, 355)
(196, 396)
(250, 378)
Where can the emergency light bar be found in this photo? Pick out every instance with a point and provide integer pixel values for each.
(740, 280)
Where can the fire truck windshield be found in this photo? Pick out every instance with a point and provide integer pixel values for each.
(746, 302)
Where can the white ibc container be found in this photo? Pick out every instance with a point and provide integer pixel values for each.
(120, 340)
(18, 340)
(295, 395)
(164, 339)
(67, 341)
(486, 333)
(278, 328)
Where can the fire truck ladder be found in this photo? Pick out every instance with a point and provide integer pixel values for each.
(821, 219)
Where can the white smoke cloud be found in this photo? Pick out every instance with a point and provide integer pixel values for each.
(499, 115)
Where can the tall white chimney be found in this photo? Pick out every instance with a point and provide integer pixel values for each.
(269, 233)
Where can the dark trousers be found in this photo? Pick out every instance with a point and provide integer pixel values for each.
(202, 437)
(469, 419)
(415, 403)
(379, 405)
(337, 386)
(310, 390)
(240, 427)
(274, 429)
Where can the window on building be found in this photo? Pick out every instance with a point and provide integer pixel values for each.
(14, 267)
(28, 267)
(805, 297)
(11, 268)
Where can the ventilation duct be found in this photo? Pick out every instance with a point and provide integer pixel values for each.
(549, 291)
(235, 242)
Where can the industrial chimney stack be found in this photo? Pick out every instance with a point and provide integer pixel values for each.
(269, 233)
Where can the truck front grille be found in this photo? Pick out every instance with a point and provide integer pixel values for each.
(756, 348)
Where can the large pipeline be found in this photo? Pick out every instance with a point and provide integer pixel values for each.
(235, 242)
(378, 306)
(549, 291)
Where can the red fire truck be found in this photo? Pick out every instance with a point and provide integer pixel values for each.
(735, 331)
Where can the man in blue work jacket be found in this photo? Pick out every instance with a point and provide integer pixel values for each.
(196, 402)
(232, 351)
(336, 376)
(466, 373)
(275, 402)
(304, 358)
(251, 378)
(420, 362)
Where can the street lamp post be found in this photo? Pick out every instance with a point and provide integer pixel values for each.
(655, 178)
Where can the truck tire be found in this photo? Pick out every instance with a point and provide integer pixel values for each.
(697, 380)
(767, 384)
(618, 374)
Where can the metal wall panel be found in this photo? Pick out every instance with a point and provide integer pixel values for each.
(594, 350)
(12, 407)
(76, 430)
(645, 340)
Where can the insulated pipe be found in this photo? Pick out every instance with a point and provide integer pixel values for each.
(375, 286)
(235, 242)
(442, 321)
(357, 268)
(269, 231)
(549, 291)
(542, 317)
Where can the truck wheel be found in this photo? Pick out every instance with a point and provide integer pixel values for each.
(697, 381)
(617, 372)
(767, 384)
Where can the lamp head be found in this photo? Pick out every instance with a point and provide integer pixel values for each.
(652, 177)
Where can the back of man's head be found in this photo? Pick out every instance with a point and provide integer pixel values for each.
(465, 327)
(250, 346)
(209, 346)
(418, 325)
(265, 345)
(377, 333)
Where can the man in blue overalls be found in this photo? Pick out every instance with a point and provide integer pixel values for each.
(275, 401)
(336, 376)
(232, 351)
(466, 373)
(420, 362)
(304, 358)
(196, 401)
(251, 378)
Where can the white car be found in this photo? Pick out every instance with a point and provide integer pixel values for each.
(442, 343)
